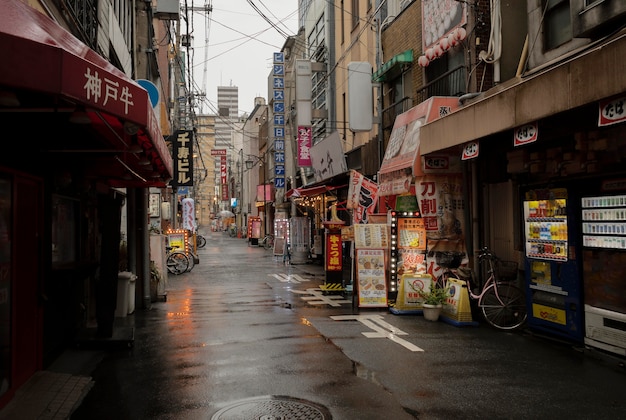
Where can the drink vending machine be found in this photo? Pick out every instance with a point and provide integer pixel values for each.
(604, 259)
(553, 280)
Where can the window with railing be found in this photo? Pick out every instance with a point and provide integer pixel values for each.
(451, 83)
(85, 17)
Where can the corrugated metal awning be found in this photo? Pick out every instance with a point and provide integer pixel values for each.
(382, 74)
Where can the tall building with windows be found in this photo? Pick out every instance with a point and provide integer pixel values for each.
(225, 121)
(204, 176)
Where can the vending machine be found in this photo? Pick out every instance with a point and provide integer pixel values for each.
(604, 258)
(553, 275)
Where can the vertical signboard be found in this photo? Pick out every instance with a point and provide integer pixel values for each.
(183, 158)
(279, 119)
(221, 153)
(304, 146)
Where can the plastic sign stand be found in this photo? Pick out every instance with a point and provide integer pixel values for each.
(408, 301)
(457, 310)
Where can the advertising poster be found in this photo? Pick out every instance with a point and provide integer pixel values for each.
(371, 236)
(440, 199)
(411, 245)
(370, 272)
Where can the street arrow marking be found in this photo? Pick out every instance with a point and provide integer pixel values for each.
(382, 329)
(319, 298)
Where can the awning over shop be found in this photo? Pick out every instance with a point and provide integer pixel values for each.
(392, 66)
(42, 58)
(402, 160)
(312, 191)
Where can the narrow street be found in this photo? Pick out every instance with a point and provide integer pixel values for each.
(243, 336)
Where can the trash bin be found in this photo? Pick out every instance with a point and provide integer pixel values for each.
(124, 279)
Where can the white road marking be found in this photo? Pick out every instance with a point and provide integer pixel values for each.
(381, 329)
(289, 278)
(317, 297)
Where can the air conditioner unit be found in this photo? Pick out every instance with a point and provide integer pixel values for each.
(605, 329)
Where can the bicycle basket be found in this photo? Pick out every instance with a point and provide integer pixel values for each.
(449, 259)
(507, 270)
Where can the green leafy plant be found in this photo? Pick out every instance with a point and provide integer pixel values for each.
(434, 296)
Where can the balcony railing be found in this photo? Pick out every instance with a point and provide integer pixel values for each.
(451, 83)
(395, 109)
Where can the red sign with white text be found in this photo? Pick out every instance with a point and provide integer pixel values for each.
(334, 254)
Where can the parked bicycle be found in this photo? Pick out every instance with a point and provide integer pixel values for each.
(268, 241)
(200, 241)
(177, 261)
(501, 302)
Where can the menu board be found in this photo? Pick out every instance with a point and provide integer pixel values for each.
(371, 236)
(370, 273)
(604, 222)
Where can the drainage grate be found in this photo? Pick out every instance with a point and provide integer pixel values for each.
(272, 408)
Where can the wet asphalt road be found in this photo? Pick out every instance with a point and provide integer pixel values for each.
(242, 326)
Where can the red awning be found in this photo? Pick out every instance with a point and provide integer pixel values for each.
(312, 191)
(43, 57)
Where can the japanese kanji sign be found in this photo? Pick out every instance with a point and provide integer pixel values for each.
(183, 158)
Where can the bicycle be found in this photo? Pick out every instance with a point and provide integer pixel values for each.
(232, 231)
(177, 261)
(502, 304)
(200, 241)
(268, 241)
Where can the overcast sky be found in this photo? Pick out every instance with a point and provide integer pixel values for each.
(240, 46)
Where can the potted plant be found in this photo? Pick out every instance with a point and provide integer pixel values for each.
(434, 298)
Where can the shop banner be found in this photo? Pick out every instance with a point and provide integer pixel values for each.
(362, 196)
(189, 213)
(440, 199)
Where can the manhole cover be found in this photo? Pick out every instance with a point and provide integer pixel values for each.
(272, 408)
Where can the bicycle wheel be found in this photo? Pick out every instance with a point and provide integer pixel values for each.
(200, 241)
(192, 262)
(268, 242)
(177, 263)
(503, 306)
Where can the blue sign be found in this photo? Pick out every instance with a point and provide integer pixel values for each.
(279, 83)
(279, 182)
(279, 132)
(279, 57)
(153, 91)
(279, 95)
(279, 107)
(279, 70)
(279, 157)
(279, 119)
(279, 144)
(279, 170)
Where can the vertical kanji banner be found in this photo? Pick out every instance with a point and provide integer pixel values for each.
(440, 199)
(362, 197)
(183, 158)
(304, 146)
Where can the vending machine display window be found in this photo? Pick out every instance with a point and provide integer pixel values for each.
(604, 256)
(551, 265)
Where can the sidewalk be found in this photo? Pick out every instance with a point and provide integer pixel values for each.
(54, 393)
